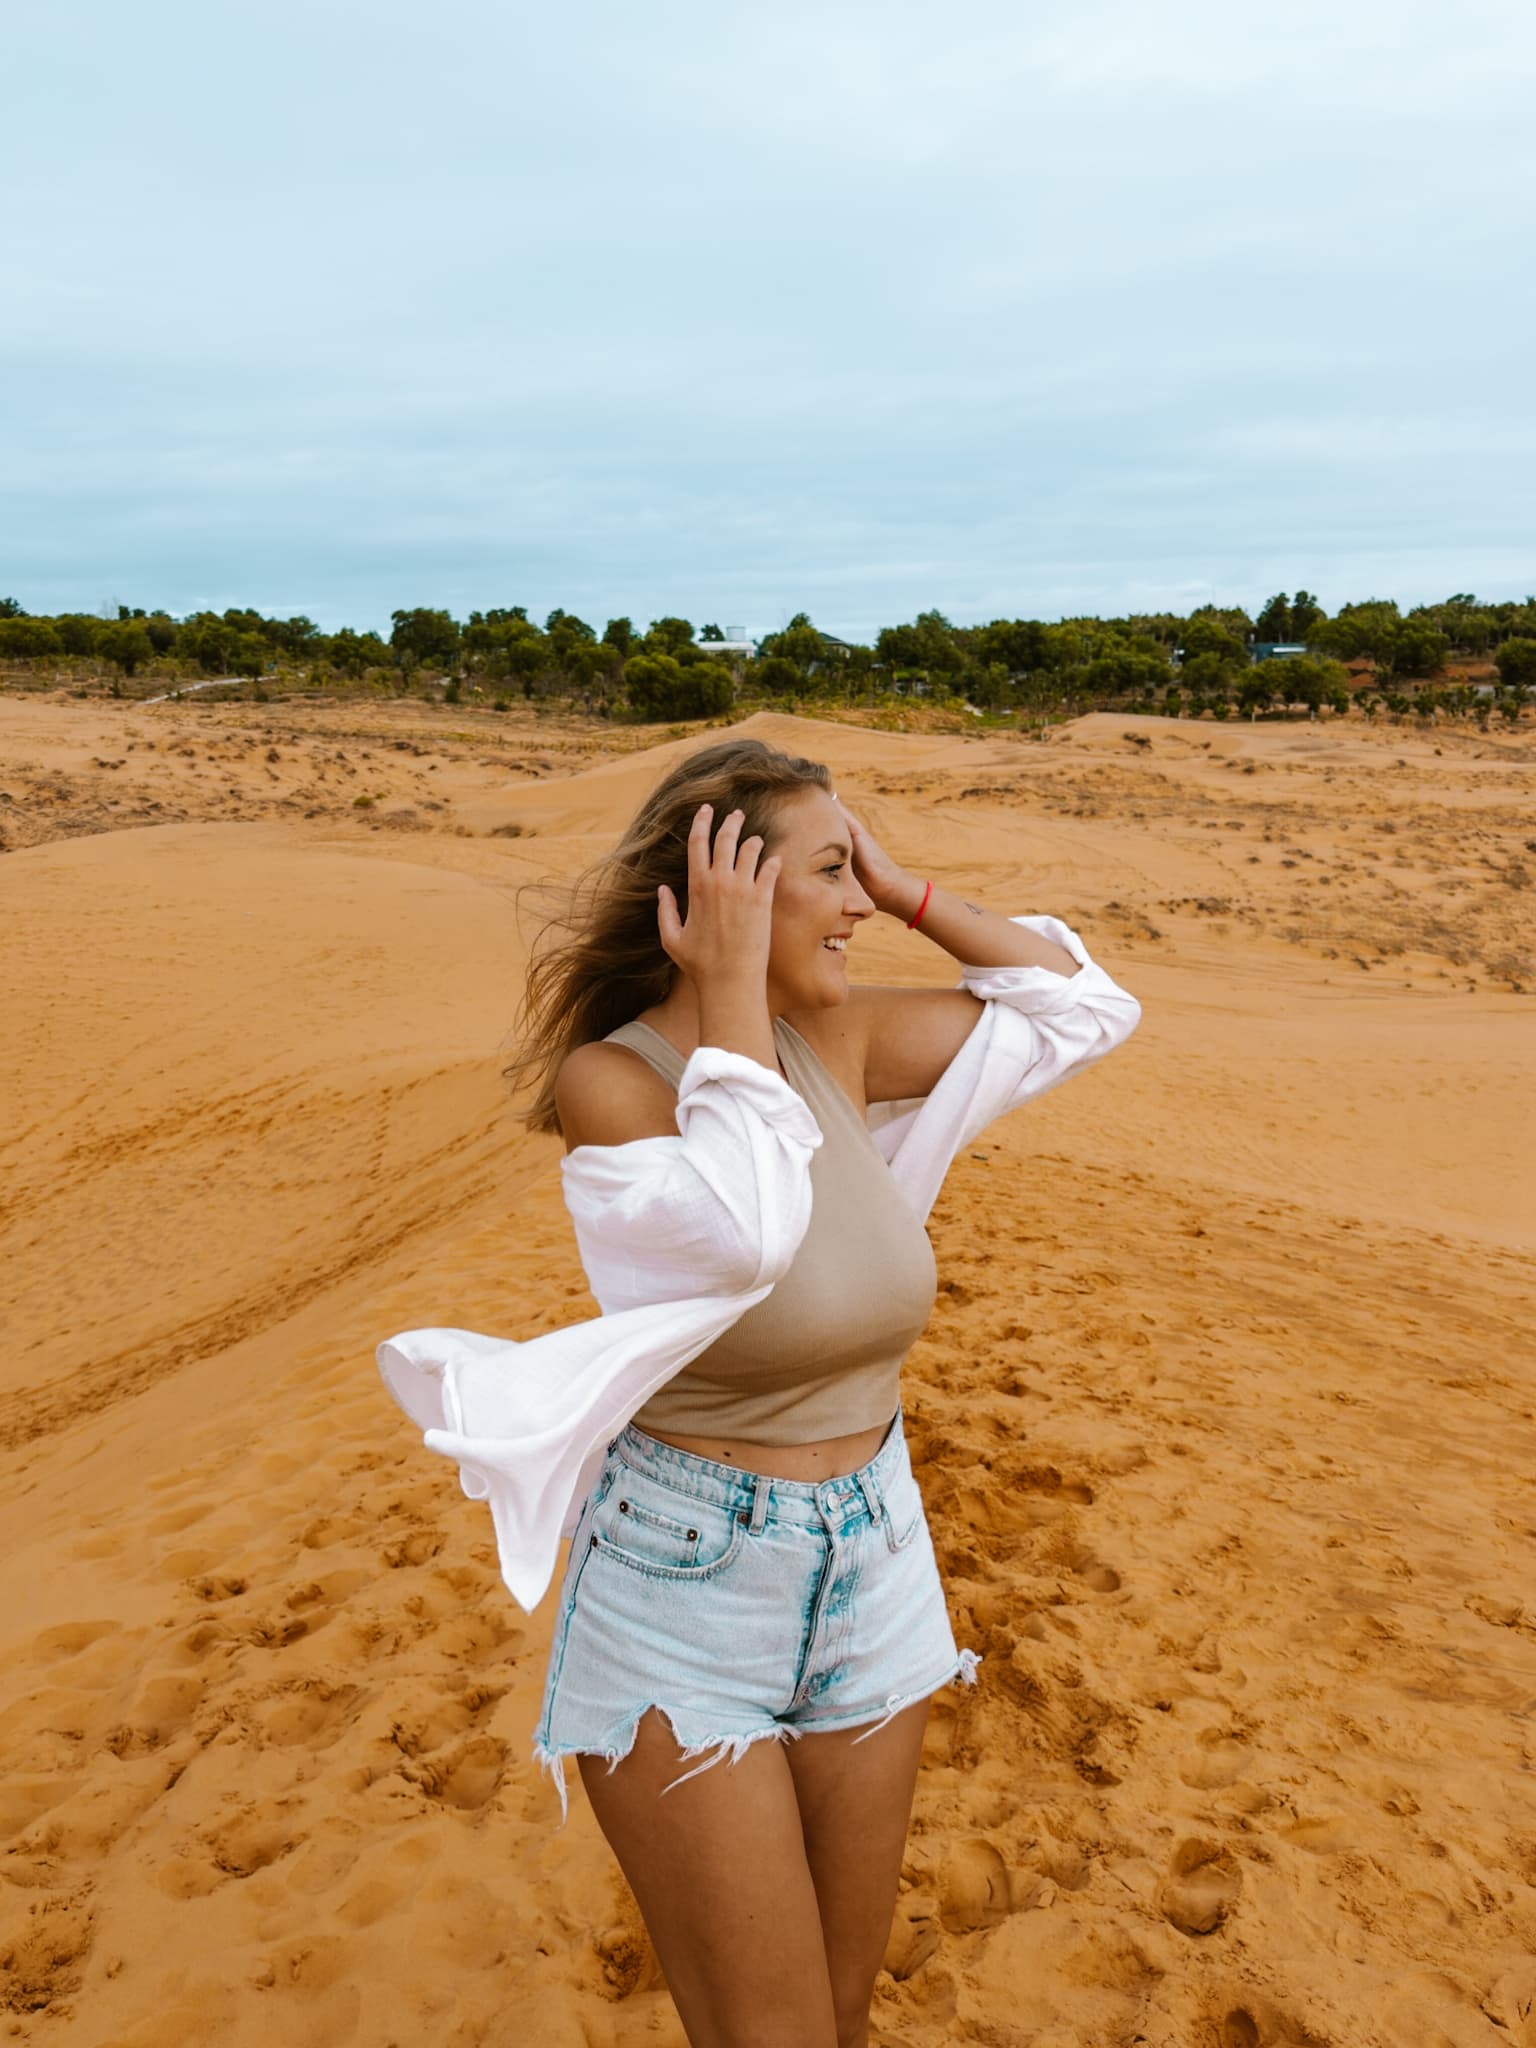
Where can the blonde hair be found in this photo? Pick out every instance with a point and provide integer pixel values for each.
(598, 960)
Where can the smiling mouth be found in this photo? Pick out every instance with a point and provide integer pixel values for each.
(838, 946)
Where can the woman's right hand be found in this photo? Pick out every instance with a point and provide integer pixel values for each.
(730, 905)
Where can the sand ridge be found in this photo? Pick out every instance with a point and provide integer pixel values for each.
(1225, 1418)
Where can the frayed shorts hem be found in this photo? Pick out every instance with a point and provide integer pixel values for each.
(732, 1748)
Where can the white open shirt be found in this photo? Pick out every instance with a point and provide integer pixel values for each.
(680, 1236)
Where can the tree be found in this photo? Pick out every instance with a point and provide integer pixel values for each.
(1305, 612)
(1358, 629)
(127, 643)
(799, 642)
(1019, 644)
(1208, 676)
(988, 687)
(1416, 649)
(569, 625)
(1206, 635)
(354, 653)
(1303, 679)
(668, 636)
(10, 609)
(426, 636)
(1516, 663)
(1255, 691)
(660, 686)
(249, 655)
(1231, 617)
(928, 644)
(710, 633)
(205, 639)
(619, 633)
(1274, 621)
(23, 637)
(294, 636)
(778, 676)
(1123, 668)
(78, 632)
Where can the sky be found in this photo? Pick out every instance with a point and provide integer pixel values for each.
(857, 307)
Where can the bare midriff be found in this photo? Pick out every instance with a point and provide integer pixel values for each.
(831, 1458)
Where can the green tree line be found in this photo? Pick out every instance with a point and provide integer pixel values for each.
(1211, 659)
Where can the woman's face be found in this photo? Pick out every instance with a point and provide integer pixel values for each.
(816, 900)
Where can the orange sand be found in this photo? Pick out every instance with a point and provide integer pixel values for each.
(1226, 1419)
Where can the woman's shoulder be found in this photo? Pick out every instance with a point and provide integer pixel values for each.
(606, 1093)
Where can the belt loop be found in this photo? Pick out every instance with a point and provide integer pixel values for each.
(870, 1489)
(760, 1496)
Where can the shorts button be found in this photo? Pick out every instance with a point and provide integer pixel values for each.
(693, 1535)
(623, 1507)
(593, 1544)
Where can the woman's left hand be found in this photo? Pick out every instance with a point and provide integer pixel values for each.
(887, 884)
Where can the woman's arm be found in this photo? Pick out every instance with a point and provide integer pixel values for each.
(975, 937)
(910, 1036)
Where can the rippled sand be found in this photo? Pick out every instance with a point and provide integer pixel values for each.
(1226, 1418)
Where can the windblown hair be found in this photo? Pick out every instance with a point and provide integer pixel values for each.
(598, 961)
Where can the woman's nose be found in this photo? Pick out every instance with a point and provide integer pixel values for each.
(861, 904)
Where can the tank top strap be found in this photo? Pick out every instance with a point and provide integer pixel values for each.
(800, 1066)
(808, 1076)
(652, 1048)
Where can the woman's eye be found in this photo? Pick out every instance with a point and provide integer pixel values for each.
(835, 869)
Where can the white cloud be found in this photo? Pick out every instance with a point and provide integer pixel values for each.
(891, 304)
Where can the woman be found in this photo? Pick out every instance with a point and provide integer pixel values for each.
(751, 1576)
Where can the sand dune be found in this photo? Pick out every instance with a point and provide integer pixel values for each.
(1226, 1419)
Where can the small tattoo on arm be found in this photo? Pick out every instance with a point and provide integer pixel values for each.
(974, 909)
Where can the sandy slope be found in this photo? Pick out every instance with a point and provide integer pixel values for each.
(1226, 1418)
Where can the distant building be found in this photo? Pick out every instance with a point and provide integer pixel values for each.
(1276, 650)
(747, 649)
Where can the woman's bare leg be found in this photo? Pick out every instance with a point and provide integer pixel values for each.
(855, 1801)
(718, 1868)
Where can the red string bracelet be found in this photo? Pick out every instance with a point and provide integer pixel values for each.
(921, 908)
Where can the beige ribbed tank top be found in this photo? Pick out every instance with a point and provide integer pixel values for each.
(820, 1356)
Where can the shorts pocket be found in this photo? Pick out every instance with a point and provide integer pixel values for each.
(651, 1529)
(903, 1511)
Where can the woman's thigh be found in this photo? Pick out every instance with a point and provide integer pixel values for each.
(718, 1868)
(855, 1805)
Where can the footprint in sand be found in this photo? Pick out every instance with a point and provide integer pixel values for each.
(451, 1717)
(69, 1639)
(250, 1842)
(1512, 2003)
(915, 1935)
(1257, 2023)
(419, 1547)
(311, 1712)
(328, 1529)
(629, 1962)
(44, 1941)
(466, 1778)
(174, 1520)
(1097, 1576)
(214, 1586)
(1219, 1762)
(83, 1653)
(1321, 1837)
(973, 1887)
(1202, 1887)
(162, 1709)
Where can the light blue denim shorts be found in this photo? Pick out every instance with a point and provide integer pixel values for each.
(743, 1608)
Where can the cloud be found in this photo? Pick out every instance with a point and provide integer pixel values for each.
(702, 310)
